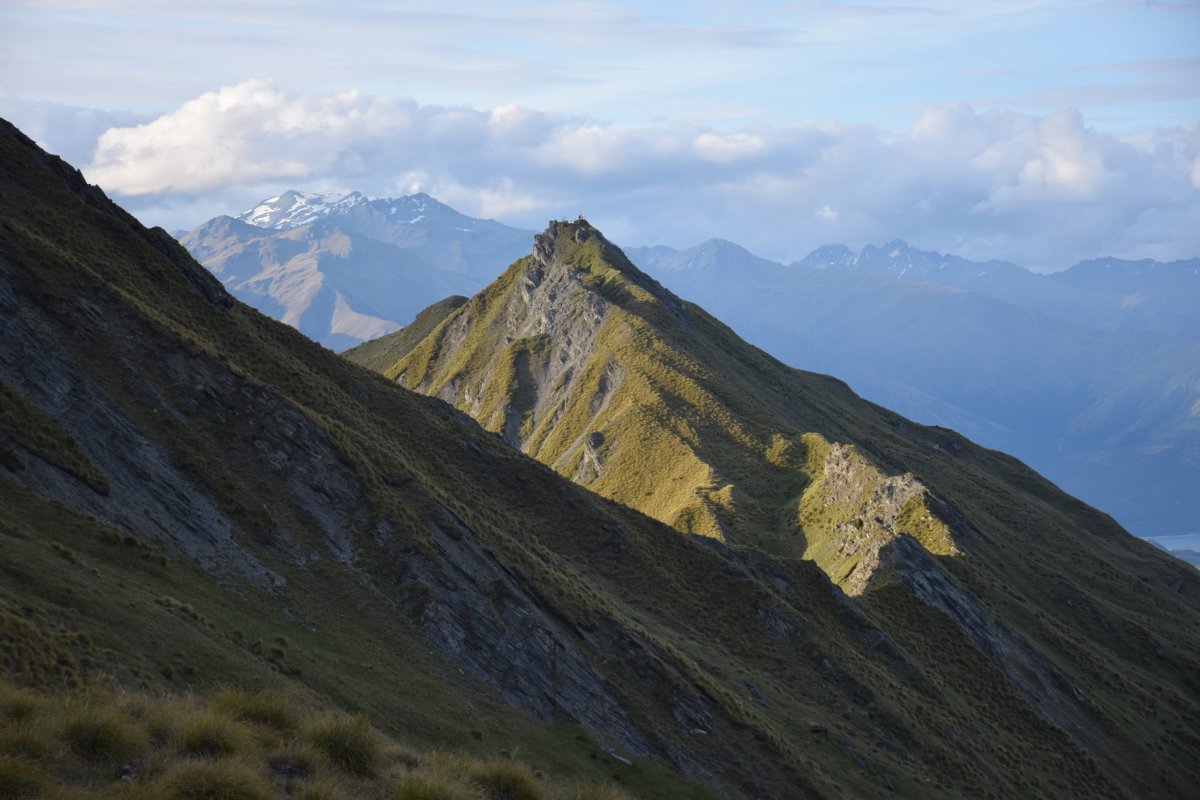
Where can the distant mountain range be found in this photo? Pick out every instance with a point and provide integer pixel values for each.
(344, 268)
(1092, 375)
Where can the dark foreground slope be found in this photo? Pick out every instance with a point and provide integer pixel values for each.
(1012, 598)
(195, 495)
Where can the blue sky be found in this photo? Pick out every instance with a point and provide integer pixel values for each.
(766, 123)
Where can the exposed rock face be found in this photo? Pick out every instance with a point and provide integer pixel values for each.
(146, 493)
(549, 324)
(870, 510)
(510, 640)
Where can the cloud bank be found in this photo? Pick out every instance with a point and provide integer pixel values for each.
(1044, 191)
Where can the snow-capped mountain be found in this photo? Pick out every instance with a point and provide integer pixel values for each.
(446, 238)
(293, 209)
(346, 268)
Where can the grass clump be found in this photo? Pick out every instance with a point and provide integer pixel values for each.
(18, 707)
(428, 787)
(295, 761)
(348, 743)
(20, 779)
(210, 736)
(218, 780)
(321, 790)
(598, 791)
(135, 745)
(502, 780)
(101, 734)
(258, 708)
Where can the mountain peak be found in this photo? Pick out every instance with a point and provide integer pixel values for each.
(895, 250)
(553, 243)
(294, 208)
(580, 249)
(827, 255)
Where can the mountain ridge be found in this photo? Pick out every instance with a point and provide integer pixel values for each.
(577, 358)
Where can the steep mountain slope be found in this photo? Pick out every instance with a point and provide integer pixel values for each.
(578, 358)
(1059, 374)
(342, 269)
(194, 494)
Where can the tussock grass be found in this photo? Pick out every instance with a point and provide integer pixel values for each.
(205, 780)
(260, 708)
(322, 790)
(102, 734)
(600, 792)
(208, 735)
(350, 744)
(234, 745)
(19, 778)
(429, 787)
(506, 780)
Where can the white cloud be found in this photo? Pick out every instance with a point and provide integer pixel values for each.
(1040, 190)
(723, 148)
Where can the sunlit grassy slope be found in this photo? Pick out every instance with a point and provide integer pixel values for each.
(575, 357)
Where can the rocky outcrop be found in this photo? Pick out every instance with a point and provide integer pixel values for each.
(861, 511)
(147, 494)
(483, 616)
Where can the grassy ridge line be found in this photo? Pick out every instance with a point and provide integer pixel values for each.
(359, 651)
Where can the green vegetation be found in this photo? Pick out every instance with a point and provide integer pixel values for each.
(102, 742)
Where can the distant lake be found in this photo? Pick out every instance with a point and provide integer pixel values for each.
(1179, 541)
